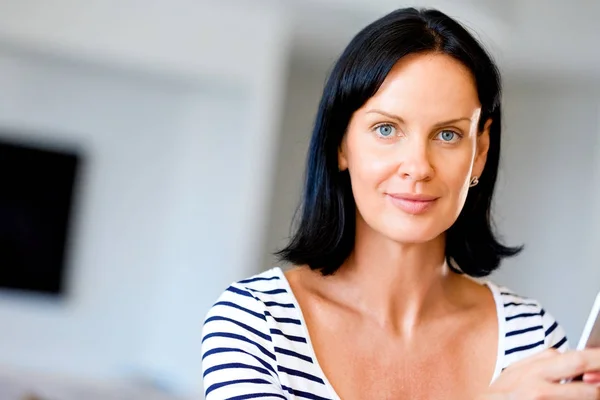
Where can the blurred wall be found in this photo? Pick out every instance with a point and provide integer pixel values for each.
(548, 194)
(303, 91)
(177, 115)
(128, 131)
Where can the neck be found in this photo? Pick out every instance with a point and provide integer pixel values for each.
(398, 285)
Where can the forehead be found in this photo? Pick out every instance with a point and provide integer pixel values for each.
(429, 85)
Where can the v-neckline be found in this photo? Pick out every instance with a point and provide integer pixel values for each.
(499, 313)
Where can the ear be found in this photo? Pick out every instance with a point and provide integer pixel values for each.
(342, 157)
(483, 145)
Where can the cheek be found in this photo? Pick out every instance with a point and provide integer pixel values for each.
(370, 166)
(455, 172)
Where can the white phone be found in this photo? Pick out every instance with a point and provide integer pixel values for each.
(591, 332)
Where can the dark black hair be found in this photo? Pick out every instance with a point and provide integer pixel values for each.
(325, 232)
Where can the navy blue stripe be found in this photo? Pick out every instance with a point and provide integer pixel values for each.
(560, 343)
(512, 303)
(283, 320)
(301, 374)
(521, 331)
(260, 278)
(276, 304)
(242, 338)
(273, 291)
(293, 354)
(235, 365)
(299, 339)
(241, 325)
(523, 315)
(543, 312)
(288, 320)
(256, 396)
(240, 292)
(227, 383)
(233, 305)
(551, 329)
(523, 348)
(512, 294)
(305, 395)
(219, 350)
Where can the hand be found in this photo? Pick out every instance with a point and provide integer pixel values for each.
(540, 377)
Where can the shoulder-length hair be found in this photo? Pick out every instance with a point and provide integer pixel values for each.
(325, 232)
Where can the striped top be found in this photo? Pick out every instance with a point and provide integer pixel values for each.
(255, 343)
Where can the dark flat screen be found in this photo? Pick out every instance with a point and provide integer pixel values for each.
(37, 185)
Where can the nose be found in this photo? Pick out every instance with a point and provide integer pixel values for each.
(415, 161)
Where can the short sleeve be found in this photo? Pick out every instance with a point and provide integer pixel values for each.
(528, 329)
(238, 359)
(555, 336)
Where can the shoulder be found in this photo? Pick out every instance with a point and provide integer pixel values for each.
(238, 348)
(526, 326)
(244, 303)
(243, 312)
(237, 336)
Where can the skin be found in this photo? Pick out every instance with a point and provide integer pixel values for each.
(394, 320)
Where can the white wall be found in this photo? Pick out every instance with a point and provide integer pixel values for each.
(546, 195)
(122, 127)
(218, 40)
(177, 117)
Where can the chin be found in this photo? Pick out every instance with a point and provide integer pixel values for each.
(414, 232)
(411, 237)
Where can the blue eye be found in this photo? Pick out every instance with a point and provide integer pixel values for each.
(449, 136)
(386, 131)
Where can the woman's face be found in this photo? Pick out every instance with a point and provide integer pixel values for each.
(413, 148)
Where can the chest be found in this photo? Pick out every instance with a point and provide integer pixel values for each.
(449, 361)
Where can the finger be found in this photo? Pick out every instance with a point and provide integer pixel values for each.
(546, 354)
(570, 364)
(573, 391)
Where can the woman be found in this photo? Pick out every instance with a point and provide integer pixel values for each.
(395, 225)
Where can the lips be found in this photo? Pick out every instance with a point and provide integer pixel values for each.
(414, 204)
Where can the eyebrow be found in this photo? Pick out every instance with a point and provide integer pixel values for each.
(397, 118)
